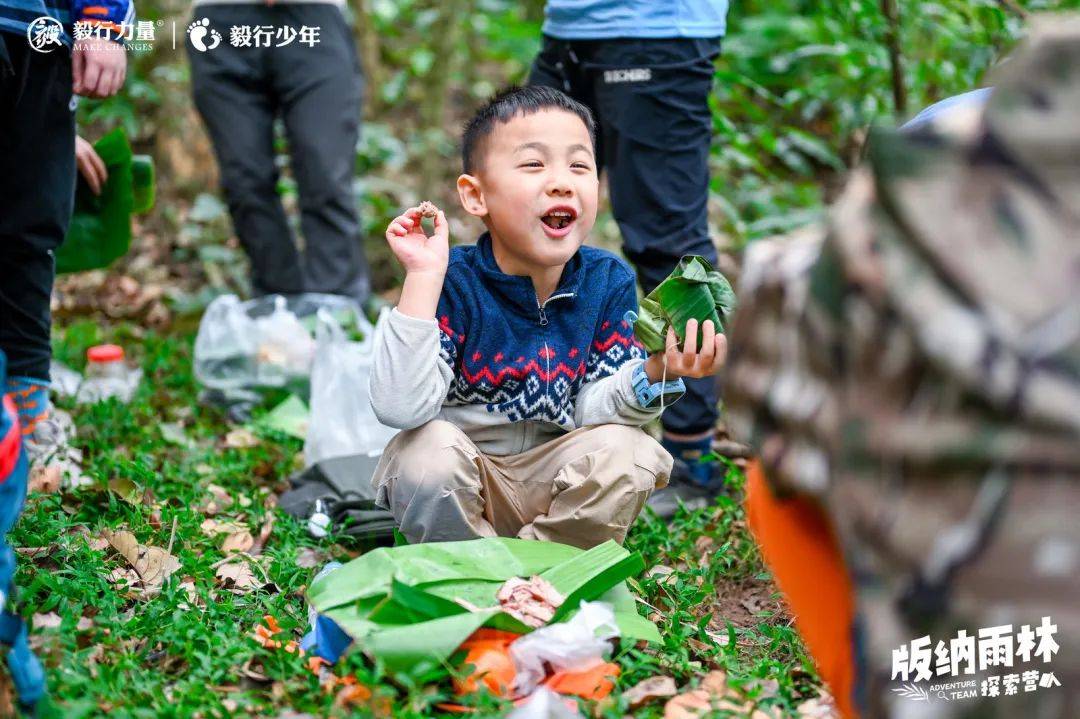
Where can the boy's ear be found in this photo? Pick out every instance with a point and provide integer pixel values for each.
(471, 195)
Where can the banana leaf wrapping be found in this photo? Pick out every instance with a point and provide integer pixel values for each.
(411, 607)
(100, 230)
(694, 290)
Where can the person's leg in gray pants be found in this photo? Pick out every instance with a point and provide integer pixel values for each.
(316, 89)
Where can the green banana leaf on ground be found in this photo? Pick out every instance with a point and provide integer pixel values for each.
(412, 606)
(100, 230)
(290, 417)
(694, 290)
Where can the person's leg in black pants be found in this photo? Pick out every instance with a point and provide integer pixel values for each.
(653, 101)
(234, 96)
(316, 89)
(37, 194)
(321, 89)
(650, 98)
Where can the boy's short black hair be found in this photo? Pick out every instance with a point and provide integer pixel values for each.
(509, 103)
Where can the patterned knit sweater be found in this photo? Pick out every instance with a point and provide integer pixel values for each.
(509, 371)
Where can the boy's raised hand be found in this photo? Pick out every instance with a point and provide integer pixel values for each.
(417, 252)
(690, 362)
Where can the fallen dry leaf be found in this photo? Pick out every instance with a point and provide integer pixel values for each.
(125, 489)
(220, 499)
(715, 682)
(694, 703)
(45, 479)
(254, 671)
(240, 438)
(32, 553)
(50, 620)
(213, 527)
(238, 542)
(308, 558)
(237, 576)
(264, 536)
(7, 696)
(652, 688)
(821, 707)
(96, 543)
(192, 598)
(711, 696)
(152, 565)
(754, 604)
(763, 688)
(700, 703)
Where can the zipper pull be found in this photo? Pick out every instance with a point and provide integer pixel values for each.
(543, 316)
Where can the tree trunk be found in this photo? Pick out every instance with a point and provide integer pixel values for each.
(453, 17)
(896, 58)
(370, 56)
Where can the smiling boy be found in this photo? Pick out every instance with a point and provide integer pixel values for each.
(510, 363)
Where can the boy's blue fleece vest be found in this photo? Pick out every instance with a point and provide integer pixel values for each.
(523, 359)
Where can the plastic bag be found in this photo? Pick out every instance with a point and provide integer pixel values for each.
(342, 420)
(545, 704)
(566, 646)
(267, 341)
(285, 347)
(226, 345)
(63, 380)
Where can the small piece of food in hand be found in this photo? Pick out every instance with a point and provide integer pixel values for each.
(428, 209)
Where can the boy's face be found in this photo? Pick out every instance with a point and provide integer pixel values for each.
(536, 188)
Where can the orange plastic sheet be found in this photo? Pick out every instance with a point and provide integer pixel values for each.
(800, 548)
(488, 651)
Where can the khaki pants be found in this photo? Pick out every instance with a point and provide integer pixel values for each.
(582, 488)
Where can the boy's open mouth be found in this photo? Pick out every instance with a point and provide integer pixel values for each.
(559, 218)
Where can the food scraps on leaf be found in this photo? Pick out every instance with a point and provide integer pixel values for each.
(532, 601)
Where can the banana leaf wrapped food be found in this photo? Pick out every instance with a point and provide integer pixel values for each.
(694, 290)
(412, 607)
(100, 229)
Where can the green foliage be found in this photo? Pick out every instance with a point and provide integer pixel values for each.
(188, 652)
(798, 82)
(100, 229)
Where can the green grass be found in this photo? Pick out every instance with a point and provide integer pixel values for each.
(172, 656)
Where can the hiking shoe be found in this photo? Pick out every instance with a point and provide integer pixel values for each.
(54, 463)
(686, 488)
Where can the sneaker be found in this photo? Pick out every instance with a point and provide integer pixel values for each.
(685, 488)
(54, 463)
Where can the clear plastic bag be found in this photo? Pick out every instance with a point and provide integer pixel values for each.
(342, 420)
(573, 646)
(285, 347)
(545, 704)
(226, 346)
(267, 341)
